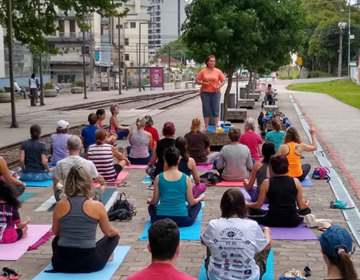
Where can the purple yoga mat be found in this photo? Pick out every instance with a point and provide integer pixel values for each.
(302, 232)
(246, 194)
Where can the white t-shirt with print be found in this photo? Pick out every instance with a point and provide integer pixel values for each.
(63, 167)
(233, 243)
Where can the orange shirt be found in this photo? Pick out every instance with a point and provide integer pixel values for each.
(295, 169)
(214, 77)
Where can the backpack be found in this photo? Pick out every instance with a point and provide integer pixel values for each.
(122, 210)
(321, 173)
(210, 178)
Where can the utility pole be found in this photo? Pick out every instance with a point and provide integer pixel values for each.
(140, 56)
(84, 61)
(340, 45)
(179, 18)
(41, 73)
(120, 83)
(349, 41)
(9, 11)
(169, 63)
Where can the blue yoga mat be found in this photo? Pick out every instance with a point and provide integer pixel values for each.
(105, 274)
(212, 128)
(43, 184)
(25, 196)
(186, 233)
(269, 275)
(105, 197)
(147, 180)
(307, 182)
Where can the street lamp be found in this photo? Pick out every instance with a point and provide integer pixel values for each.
(141, 23)
(342, 26)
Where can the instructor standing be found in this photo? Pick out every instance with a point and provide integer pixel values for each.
(211, 80)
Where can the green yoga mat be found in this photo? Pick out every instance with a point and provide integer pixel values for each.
(25, 196)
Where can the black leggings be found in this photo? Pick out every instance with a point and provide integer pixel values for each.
(77, 260)
(263, 217)
(305, 169)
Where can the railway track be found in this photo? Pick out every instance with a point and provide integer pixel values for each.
(11, 153)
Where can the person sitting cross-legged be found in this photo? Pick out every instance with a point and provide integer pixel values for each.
(269, 95)
(75, 222)
(252, 139)
(164, 247)
(284, 194)
(58, 142)
(235, 160)
(88, 132)
(63, 167)
(236, 245)
(173, 188)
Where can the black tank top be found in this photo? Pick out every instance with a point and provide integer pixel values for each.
(261, 176)
(183, 167)
(282, 195)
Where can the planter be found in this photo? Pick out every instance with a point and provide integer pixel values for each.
(77, 90)
(177, 85)
(5, 97)
(50, 92)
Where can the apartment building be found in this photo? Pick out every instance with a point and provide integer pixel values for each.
(135, 24)
(166, 17)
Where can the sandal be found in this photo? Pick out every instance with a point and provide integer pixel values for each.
(124, 184)
(340, 205)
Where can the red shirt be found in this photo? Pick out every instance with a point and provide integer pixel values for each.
(100, 125)
(154, 133)
(252, 141)
(156, 271)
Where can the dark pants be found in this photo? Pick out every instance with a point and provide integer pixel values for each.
(140, 161)
(305, 169)
(186, 221)
(263, 217)
(33, 96)
(76, 260)
(122, 133)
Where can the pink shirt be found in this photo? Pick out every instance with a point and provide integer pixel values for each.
(252, 141)
(157, 271)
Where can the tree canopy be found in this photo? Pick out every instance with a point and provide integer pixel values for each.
(178, 49)
(33, 20)
(256, 34)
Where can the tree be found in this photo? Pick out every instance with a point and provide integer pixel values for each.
(258, 34)
(177, 49)
(33, 20)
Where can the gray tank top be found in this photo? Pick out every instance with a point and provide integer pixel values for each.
(78, 230)
(139, 144)
(261, 176)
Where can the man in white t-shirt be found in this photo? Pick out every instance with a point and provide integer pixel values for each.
(238, 246)
(63, 167)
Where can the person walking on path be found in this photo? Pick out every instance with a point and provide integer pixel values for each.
(34, 89)
(211, 80)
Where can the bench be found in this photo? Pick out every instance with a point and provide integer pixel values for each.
(273, 108)
(218, 138)
(237, 114)
(246, 103)
(189, 85)
(254, 95)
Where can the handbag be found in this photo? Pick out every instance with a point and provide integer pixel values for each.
(122, 210)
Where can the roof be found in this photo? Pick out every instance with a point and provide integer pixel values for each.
(165, 59)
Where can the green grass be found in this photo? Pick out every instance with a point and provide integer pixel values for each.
(343, 90)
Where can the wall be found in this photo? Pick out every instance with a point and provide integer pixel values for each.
(354, 73)
(22, 81)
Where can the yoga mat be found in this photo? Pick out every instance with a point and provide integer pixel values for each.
(204, 167)
(229, 184)
(186, 233)
(136, 166)
(246, 194)
(147, 180)
(25, 196)
(307, 182)
(212, 128)
(122, 175)
(105, 274)
(105, 197)
(302, 232)
(269, 275)
(43, 184)
(36, 236)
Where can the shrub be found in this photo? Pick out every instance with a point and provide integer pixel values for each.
(78, 84)
(2, 90)
(49, 86)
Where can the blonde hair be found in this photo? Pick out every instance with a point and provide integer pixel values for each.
(140, 122)
(195, 125)
(250, 125)
(79, 182)
(276, 124)
(100, 136)
(292, 135)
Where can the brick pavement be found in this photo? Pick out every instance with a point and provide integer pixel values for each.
(287, 254)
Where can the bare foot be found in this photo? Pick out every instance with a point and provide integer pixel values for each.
(111, 258)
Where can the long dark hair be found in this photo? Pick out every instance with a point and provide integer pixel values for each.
(8, 194)
(181, 145)
(268, 150)
(233, 203)
(344, 264)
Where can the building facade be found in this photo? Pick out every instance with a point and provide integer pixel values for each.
(166, 17)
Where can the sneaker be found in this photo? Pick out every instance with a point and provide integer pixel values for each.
(151, 187)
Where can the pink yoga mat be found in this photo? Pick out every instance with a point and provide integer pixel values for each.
(37, 235)
(229, 184)
(136, 166)
(204, 167)
(302, 232)
(122, 175)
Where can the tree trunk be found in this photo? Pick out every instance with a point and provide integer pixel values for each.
(227, 92)
(248, 87)
(237, 89)
(329, 67)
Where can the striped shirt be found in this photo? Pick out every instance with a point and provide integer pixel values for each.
(102, 157)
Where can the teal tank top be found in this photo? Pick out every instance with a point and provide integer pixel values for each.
(172, 197)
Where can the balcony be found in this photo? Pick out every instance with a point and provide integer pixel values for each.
(137, 17)
(69, 59)
(69, 37)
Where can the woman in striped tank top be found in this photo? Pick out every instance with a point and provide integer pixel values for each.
(102, 155)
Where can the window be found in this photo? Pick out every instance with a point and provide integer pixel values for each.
(61, 26)
(126, 41)
(132, 24)
(121, 47)
(127, 57)
(126, 25)
(65, 78)
(87, 50)
(121, 26)
(118, 4)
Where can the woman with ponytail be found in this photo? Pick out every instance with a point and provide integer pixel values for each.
(336, 246)
(141, 143)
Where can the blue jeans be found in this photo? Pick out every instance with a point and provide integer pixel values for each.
(36, 177)
(122, 133)
(269, 98)
(210, 104)
(186, 221)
